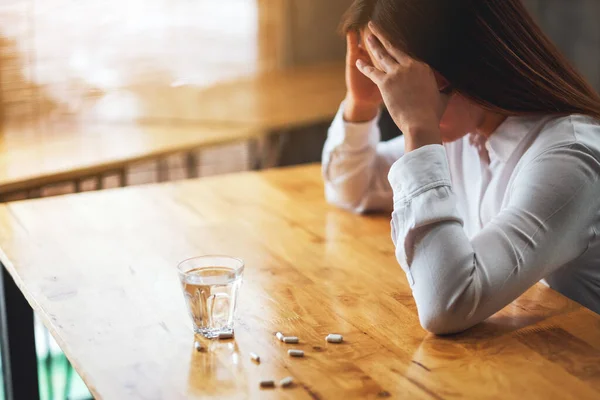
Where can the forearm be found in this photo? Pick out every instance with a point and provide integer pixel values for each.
(458, 281)
(421, 136)
(355, 165)
(357, 113)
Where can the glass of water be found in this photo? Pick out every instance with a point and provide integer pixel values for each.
(210, 287)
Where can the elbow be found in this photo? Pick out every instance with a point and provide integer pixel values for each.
(441, 323)
(339, 198)
(453, 307)
(348, 187)
(442, 317)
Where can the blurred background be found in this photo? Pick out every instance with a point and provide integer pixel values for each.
(270, 71)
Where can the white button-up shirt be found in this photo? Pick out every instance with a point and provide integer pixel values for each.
(477, 223)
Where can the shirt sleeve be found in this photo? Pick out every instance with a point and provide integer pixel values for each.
(356, 164)
(546, 223)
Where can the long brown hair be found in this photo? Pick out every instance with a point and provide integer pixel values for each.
(491, 51)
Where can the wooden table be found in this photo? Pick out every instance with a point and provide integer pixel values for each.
(273, 100)
(33, 155)
(174, 61)
(262, 106)
(99, 269)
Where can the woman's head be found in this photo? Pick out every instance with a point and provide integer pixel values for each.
(491, 52)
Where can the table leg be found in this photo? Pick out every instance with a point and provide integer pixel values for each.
(100, 182)
(163, 169)
(192, 159)
(78, 184)
(19, 358)
(123, 177)
(272, 149)
(255, 156)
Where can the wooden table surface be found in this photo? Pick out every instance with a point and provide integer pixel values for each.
(38, 153)
(272, 100)
(35, 154)
(100, 270)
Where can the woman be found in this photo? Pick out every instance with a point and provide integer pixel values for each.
(494, 185)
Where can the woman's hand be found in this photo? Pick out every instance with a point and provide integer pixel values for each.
(410, 91)
(363, 99)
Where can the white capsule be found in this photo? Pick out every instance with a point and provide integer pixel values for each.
(279, 336)
(225, 335)
(198, 346)
(296, 353)
(267, 384)
(291, 339)
(286, 382)
(255, 357)
(334, 338)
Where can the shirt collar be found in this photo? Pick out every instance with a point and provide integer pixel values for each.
(507, 137)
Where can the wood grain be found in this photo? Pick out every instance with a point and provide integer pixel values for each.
(100, 270)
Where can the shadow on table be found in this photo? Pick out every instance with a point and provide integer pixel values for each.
(533, 308)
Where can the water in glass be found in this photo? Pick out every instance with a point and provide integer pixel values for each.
(211, 295)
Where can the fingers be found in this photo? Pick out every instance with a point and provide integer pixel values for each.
(384, 59)
(400, 56)
(370, 72)
(365, 57)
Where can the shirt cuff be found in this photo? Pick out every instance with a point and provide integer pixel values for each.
(418, 171)
(355, 136)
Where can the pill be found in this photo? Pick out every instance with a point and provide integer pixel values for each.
(255, 357)
(290, 339)
(296, 353)
(285, 382)
(225, 335)
(267, 384)
(334, 338)
(279, 336)
(198, 346)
